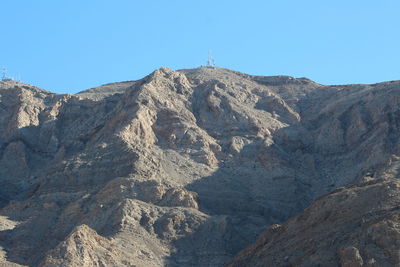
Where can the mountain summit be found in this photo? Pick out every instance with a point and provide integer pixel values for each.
(188, 167)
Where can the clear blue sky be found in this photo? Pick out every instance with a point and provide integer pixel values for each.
(70, 45)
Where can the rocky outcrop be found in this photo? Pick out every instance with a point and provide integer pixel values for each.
(180, 168)
(84, 247)
(352, 226)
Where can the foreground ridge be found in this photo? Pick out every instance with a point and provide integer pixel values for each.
(352, 226)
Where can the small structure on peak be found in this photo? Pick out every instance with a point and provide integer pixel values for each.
(4, 77)
(210, 61)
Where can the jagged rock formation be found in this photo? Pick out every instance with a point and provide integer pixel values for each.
(352, 226)
(180, 168)
(84, 247)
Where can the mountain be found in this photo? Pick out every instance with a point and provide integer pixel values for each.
(180, 168)
(352, 226)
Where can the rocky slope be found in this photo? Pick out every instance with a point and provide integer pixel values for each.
(352, 226)
(180, 168)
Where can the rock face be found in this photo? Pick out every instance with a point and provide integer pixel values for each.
(352, 226)
(182, 168)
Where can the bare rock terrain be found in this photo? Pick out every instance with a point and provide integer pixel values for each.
(189, 167)
(352, 226)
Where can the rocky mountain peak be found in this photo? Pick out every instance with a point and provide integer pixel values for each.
(182, 167)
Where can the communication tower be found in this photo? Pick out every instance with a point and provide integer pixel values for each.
(4, 77)
(3, 74)
(210, 61)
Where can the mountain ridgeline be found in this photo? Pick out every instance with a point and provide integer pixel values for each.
(190, 167)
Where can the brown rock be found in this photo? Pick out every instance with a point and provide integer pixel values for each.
(350, 257)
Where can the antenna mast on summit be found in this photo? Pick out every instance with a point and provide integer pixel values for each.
(210, 61)
(4, 77)
(3, 74)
